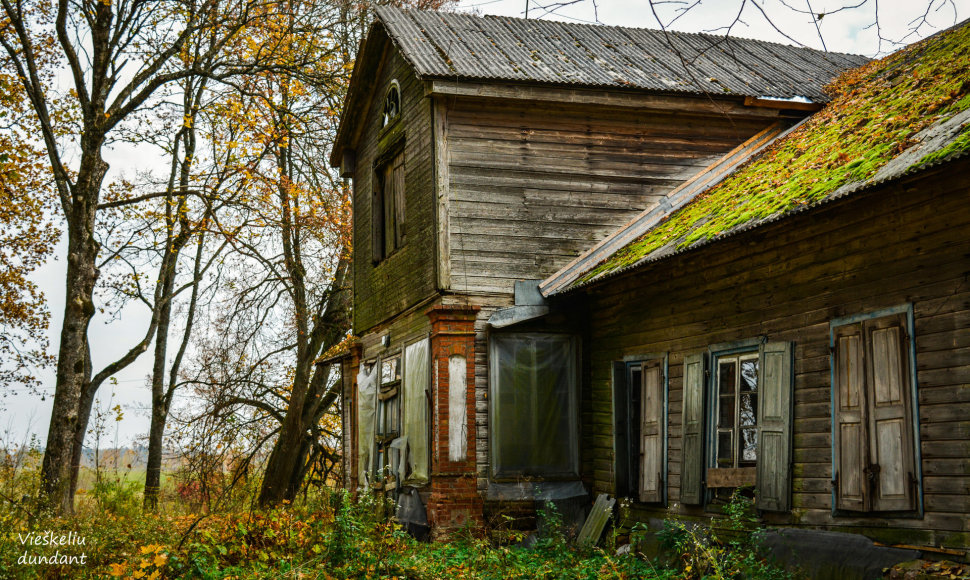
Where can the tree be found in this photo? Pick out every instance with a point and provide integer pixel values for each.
(27, 238)
(881, 27)
(119, 57)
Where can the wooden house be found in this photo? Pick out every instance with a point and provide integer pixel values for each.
(800, 326)
(486, 154)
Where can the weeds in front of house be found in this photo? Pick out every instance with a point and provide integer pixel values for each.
(327, 534)
(728, 548)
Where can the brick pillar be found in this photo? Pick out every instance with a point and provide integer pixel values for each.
(454, 502)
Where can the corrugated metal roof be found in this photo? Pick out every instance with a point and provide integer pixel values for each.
(463, 46)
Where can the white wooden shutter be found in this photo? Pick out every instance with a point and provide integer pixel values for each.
(774, 425)
(892, 464)
(850, 422)
(692, 457)
(651, 433)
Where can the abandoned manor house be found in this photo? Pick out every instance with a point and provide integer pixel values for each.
(660, 267)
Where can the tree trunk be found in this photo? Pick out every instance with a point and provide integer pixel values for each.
(153, 471)
(69, 417)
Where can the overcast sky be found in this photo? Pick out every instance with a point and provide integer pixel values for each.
(851, 31)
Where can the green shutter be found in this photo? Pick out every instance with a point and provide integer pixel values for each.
(651, 433)
(621, 430)
(850, 422)
(774, 425)
(893, 466)
(692, 458)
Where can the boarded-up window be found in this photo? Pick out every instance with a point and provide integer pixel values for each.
(874, 463)
(534, 415)
(417, 382)
(640, 429)
(457, 408)
(387, 209)
(366, 421)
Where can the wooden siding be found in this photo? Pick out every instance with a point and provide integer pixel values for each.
(906, 243)
(532, 185)
(407, 275)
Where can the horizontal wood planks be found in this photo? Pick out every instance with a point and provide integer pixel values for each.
(532, 185)
(407, 275)
(896, 244)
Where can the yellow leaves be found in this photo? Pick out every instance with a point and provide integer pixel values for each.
(187, 121)
(117, 569)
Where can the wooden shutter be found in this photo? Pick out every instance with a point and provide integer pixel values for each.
(850, 421)
(651, 433)
(774, 426)
(390, 215)
(692, 457)
(621, 431)
(892, 465)
(377, 219)
(397, 179)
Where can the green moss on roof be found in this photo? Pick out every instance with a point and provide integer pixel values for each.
(875, 112)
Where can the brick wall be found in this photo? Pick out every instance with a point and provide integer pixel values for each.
(454, 501)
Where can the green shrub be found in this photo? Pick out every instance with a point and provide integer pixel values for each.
(729, 548)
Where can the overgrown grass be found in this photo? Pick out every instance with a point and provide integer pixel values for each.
(326, 535)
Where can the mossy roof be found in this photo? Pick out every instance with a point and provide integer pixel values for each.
(890, 117)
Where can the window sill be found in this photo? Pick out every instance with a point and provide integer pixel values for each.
(731, 477)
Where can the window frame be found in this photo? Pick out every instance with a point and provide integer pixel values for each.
(716, 352)
(627, 444)
(573, 472)
(772, 480)
(389, 395)
(906, 310)
(389, 121)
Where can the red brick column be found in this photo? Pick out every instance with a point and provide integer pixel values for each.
(455, 502)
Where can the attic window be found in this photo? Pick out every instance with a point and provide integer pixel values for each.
(392, 104)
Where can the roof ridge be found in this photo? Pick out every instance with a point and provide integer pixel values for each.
(707, 35)
(472, 47)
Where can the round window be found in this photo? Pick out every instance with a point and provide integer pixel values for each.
(392, 104)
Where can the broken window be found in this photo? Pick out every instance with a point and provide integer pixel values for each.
(388, 416)
(534, 407)
(875, 463)
(392, 104)
(748, 424)
(737, 410)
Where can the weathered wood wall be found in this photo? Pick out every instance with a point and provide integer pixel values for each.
(534, 184)
(908, 242)
(407, 276)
